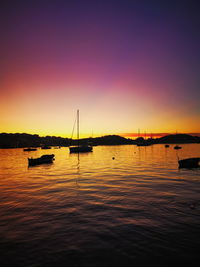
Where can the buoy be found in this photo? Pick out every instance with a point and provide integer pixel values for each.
(192, 206)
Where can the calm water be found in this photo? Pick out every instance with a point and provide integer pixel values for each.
(135, 210)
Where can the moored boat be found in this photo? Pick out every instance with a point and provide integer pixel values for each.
(189, 163)
(45, 147)
(177, 147)
(30, 149)
(143, 144)
(43, 159)
(80, 148)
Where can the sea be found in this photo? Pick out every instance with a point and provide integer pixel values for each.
(116, 206)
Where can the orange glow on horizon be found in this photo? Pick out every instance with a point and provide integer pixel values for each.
(46, 111)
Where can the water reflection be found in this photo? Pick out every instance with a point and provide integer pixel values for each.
(89, 208)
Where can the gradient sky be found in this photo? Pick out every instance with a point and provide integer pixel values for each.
(124, 64)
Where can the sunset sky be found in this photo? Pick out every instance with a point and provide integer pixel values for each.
(126, 65)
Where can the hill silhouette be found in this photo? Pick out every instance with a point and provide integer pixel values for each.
(8, 140)
(178, 138)
(17, 140)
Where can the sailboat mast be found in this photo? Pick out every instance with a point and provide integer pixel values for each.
(78, 126)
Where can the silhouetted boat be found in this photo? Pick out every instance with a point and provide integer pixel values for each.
(79, 148)
(143, 144)
(140, 141)
(30, 149)
(43, 159)
(177, 147)
(45, 147)
(166, 145)
(189, 163)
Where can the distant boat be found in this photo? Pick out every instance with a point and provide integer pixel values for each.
(43, 159)
(79, 148)
(140, 141)
(166, 145)
(177, 147)
(143, 144)
(30, 149)
(189, 163)
(45, 147)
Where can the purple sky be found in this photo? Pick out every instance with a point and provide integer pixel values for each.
(124, 64)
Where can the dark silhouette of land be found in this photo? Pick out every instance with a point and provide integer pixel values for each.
(17, 140)
(178, 139)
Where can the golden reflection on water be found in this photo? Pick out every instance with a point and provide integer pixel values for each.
(118, 197)
(111, 160)
(109, 172)
(107, 164)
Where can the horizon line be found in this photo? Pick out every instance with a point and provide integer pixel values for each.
(133, 134)
(157, 134)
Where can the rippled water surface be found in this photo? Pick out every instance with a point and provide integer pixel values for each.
(120, 205)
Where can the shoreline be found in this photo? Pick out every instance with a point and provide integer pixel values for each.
(27, 140)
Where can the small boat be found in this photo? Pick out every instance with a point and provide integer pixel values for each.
(43, 159)
(140, 141)
(143, 144)
(30, 149)
(80, 148)
(177, 147)
(189, 163)
(166, 145)
(45, 147)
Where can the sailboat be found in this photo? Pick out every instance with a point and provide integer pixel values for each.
(79, 148)
(142, 141)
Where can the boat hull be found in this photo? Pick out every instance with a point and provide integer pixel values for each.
(45, 147)
(189, 163)
(80, 149)
(145, 144)
(177, 147)
(42, 160)
(30, 149)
